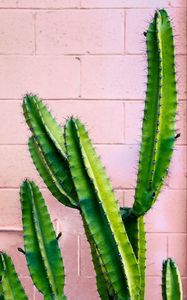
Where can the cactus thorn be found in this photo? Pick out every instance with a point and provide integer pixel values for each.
(177, 136)
(21, 250)
(59, 236)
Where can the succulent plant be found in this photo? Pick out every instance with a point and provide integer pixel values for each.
(73, 172)
(41, 250)
(158, 131)
(171, 281)
(10, 285)
(40, 244)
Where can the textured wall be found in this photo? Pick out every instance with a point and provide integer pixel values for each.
(87, 58)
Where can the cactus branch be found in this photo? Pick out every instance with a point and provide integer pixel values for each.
(47, 150)
(54, 173)
(171, 281)
(158, 131)
(135, 229)
(11, 287)
(40, 120)
(95, 190)
(41, 248)
(104, 286)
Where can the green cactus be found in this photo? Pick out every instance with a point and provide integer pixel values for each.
(10, 285)
(104, 286)
(71, 169)
(40, 244)
(171, 281)
(135, 229)
(158, 131)
(95, 195)
(47, 151)
(40, 249)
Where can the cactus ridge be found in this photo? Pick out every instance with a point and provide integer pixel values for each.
(136, 233)
(171, 281)
(158, 130)
(10, 285)
(43, 148)
(41, 248)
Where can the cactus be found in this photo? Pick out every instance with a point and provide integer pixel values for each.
(171, 281)
(136, 233)
(10, 285)
(95, 195)
(41, 248)
(71, 169)
(158, 131)
(47, 151)
(104, 286)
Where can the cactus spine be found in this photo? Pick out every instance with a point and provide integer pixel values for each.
(71, 169)
(171, 281)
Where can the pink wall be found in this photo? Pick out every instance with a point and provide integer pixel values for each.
(87, 58)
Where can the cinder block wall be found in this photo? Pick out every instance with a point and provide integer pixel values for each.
(87, 58)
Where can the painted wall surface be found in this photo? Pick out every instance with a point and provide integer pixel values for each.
(87, 58)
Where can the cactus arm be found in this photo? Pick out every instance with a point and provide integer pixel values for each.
(52, 172)
(164, 265)
(168, 100)
(40, 119)
(94, 213)
(107, 200)
(106, 248)
(171, 281)
(57, 161)
(104, 287)
(159, 115)
(143, 194)
(31, 246)
(11, 286)
(135, 229)
(54, 130)
(41, 247)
